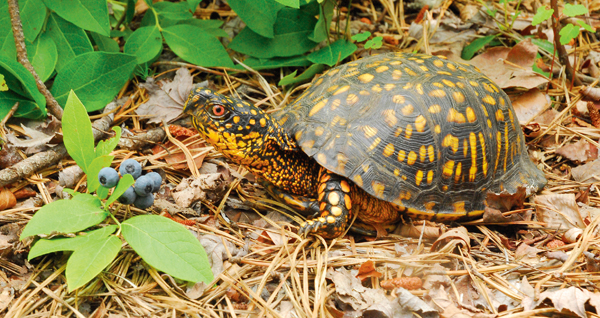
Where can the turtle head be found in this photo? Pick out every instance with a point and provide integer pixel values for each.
(236, 128)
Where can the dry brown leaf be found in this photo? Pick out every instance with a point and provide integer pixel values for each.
(366, 270)
(24, 193)
(35, 143)
(557, 255)
(166, 100)
(495, 216)
(591, 92)
(455, 236)
(587, 173)
(581, 151)
(194, 189)
(558, 211)
(572, 235)
(527, 254)
(505, 201)
(9, 156)
(178, 160)
(529, 104)
(7, 199)
(572, 299)
(350, 292)
(430, 231)
(6, 297)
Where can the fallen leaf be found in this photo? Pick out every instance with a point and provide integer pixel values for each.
(429, 230)
(176, 158)
(350, 291)
(9, 156)
(558, 211)
(529, 104)
(166, 98)
(35, 141)
(455, 236)
(581, 151)
(587, 173)
(192, 189)
(70, 176)
(491, 215)
(572, 299)
(527, 253)
(366, 270)
(505, 201)
(7, 199)
(546, 117)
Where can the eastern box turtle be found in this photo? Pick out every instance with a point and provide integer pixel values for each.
(385, 136)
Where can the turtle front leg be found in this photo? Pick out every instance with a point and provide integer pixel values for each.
(335, 206)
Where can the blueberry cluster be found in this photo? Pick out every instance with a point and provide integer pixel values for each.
(140, 194)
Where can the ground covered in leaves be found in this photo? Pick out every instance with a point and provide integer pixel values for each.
(535, 257)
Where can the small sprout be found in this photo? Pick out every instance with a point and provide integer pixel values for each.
(144, 186)
(128, 197)
(144, 202)
(131, 167)
(360, 37)
(374, 43)
(108, 177)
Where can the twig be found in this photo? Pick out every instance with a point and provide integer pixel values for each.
(17, 28)
(563, 56)
(9, 115)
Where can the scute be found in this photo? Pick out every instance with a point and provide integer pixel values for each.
(379, 121)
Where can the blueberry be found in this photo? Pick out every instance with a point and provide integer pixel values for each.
(144, 186)
(144, 202)
(128, 197)
(108, 177)
(131, 167)
(156, 178)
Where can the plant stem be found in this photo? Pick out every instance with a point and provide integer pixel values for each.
(562, 52)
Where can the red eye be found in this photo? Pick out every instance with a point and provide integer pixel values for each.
(218, 110)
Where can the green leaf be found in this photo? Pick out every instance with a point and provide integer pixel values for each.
(87, 262)
(45, 246)
(7, 41)
(544, 45)
(105, 147)
(537, 69)
(129, 12)
(290, 3)
(259, 15)
(321, 31)
(43, 56)
(292, 29)
(66, 216)
(568, 33)
(360, 37)
(586, 26)
(88, 72)
(374, 43)
(3, 86)
(145, 43)
(105, 43)
(334, 53)
(473, 47)
(27, 107)
(77, 133)
(196, 46)
(70, 40)
(305, 76)
(91, 15)
(573, 10)
(33, 15)
(168, 246)
(208, 26)
(277, 62)
(94, 168)
(193, 4)
(172, 10)
(121, 187)
(20, 81)
(542, 15)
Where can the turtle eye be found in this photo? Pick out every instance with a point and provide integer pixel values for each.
(218, 111)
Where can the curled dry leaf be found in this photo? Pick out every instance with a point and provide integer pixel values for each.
(176, 158)
(166, 100)
(591, 92)
(7, 199)
(587, 173)
(70, 176)
(572, 299)
(592, 262)
(505, 201)
(350, 292)
(366, 270)
(495, 216)
(530, 104)
(524, 252)
(455, 236)
(581, 151)
(558, 211)
(572, 235)
(430, 230)
(193, 189)
(409, 283)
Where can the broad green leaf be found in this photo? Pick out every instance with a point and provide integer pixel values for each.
(573, 10)
(168, 246)
(321, 31)
(334, 53)
(145, 43)
(568, 33)
(277, 62)
(7, 41)
(541, 15)
(45, 246)
(208, 26)
(91, 15)
(374, 43)
(544, 45)
(70, 40)
(27, 107)
(20, 81)
(77, 133)
(94, 168)
(121, 187)
(105, 147)
(586, 26)
(88, 72)
(307, 75)
(3, 86)
(292, 29)
(102, 192)
(129, 12)
(172, 10)
(469, 51)
(43, 55)
(259, 15)
(360, 37)
(105, 43)
(87, 262)
(196, 46)
(290, 3)
(193, 4)
(66, 216)
(33, 15)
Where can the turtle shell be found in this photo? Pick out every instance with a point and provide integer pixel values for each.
(427, 134)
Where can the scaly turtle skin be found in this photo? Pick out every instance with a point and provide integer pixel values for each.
(385, 136)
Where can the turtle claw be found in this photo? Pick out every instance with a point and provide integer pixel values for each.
(317, 227)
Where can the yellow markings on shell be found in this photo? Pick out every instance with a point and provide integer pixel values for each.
(370, 131)
(345, 186)
(459, 207)
(440, 85)
(396, 74)
(263, 122)
(364, 93)
(358, 180)
(448, 83)
(351, 99)
(377, 88)
(438, 63)
(424, 68)
(252, 121)
(334, 198)
(332, 88)
(308, 144)
(389, 116)
(448, 169)
(336, 103)
(502, 101)
(437, 93)
(451, 66)
(318, 106)
(419, 89)
(420, 123)
(485, 111)
(506, 143)
(382, 69)
(330, 219)
(465, 147)
(396, 62)
(319, 131)
(471, 117)
(460, 84)
(333, 71)
(474, 83)
(488, 88)
(409, 71)
(342, 159)
(342, 89)
(511, 117)
(412, 158)
(422, 153)
(408, 131)
(321, 219)
(318, 81)
(429, 176)
(253, 111)
(499, 148)
(418, 177)
(407, 110)
(236, 119)
(388, 150)
(455, 117)
(374, 144)
(473, 143)
(499, 115)
(431, 153)
(396, 172)
(434, 109)
(398, 99)
(389, 87)
(458, 97)
(378, 188)
(444, 73)
(462, 69)
(458, 172)
(398, 132)
(401, 155)
(489, 99)
(450, 141)
(437, 129)
(484, 164)
(366, 77)
(351, 72)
